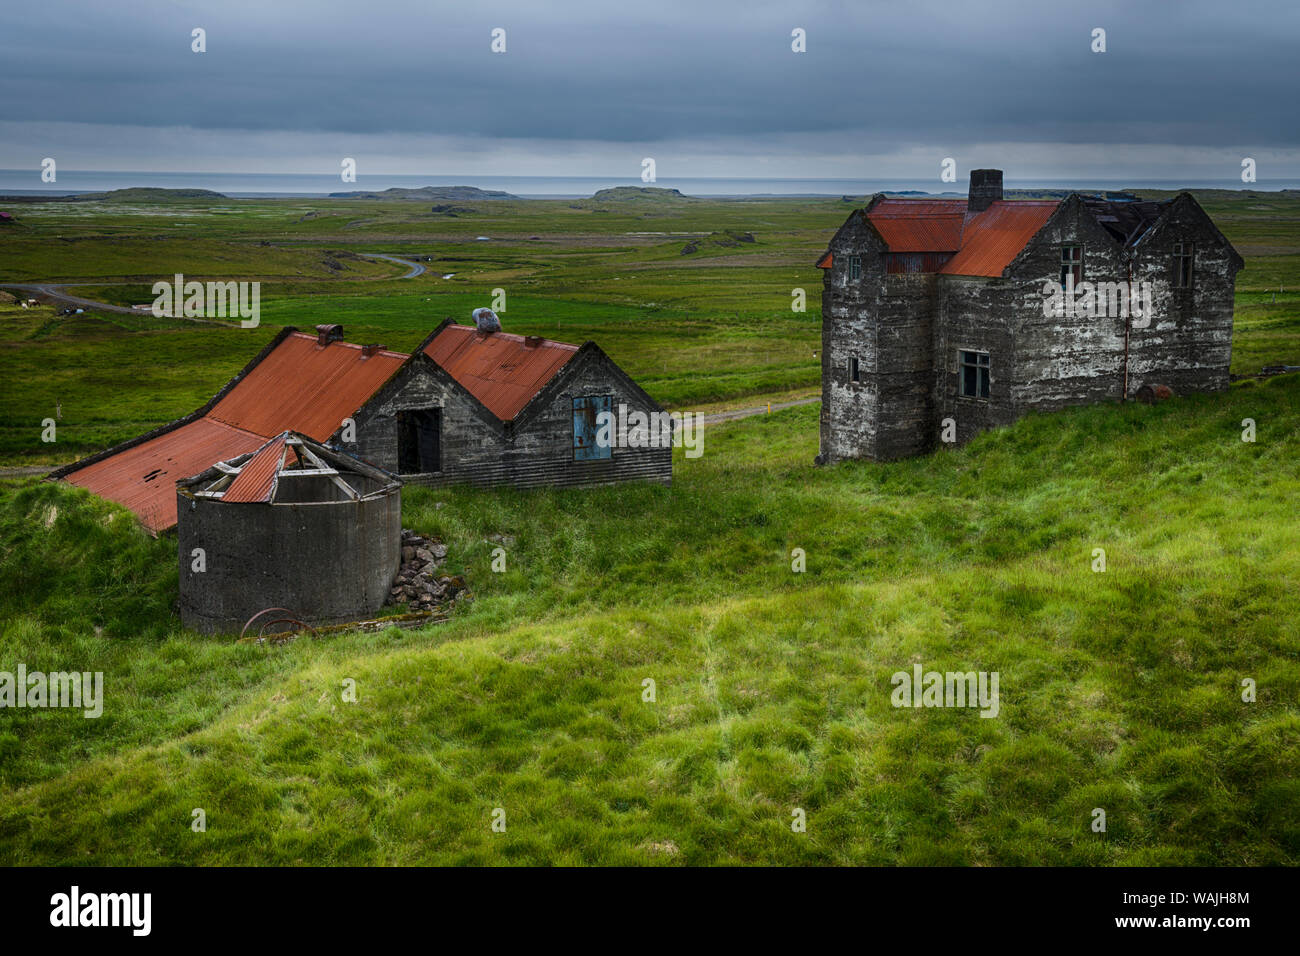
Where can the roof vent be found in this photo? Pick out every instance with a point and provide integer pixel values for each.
(369, 350)
(985, 189)
(532, 341)
(486, 320)
(325, 334)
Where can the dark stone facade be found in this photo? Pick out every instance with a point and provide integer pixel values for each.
(904, 332)
(533, 450)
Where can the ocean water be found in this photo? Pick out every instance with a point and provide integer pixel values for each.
(253, 185)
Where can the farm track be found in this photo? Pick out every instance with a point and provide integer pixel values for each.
(53, 292)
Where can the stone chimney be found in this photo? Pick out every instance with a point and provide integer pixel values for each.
(985, 189)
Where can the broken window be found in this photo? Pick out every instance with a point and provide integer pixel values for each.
(419, 441)
(589, 444)
(1182, 265)
(855, 267)
(1071, 265)
(854, 374)
(974, 369)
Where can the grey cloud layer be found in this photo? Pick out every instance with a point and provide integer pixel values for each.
(1193, 73)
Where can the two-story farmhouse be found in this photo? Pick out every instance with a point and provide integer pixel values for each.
(939, 317)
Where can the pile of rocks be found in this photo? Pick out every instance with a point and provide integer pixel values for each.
(418, 584)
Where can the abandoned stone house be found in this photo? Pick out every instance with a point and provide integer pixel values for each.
(937, 322)
(473, 405)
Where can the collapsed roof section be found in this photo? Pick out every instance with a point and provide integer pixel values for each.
(289, 469)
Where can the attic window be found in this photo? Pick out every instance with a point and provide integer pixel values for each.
(1183, 265)
(855, 267)
(974, 369)
(1071, 265)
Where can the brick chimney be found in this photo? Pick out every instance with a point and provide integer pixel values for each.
(985, 189)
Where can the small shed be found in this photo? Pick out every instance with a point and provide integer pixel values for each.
(292, 525)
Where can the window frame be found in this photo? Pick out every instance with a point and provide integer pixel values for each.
(1071, 260)
(982, 365)
(1184, 254)
(855, 370)
(855, 268)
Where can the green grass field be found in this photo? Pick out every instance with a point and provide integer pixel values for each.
(1120, 690)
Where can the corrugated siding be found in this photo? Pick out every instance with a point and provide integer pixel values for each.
(143, 478)
(644, 465)
(305, 387)
(498, 368)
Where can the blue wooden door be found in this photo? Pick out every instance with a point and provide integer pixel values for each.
(586, 426)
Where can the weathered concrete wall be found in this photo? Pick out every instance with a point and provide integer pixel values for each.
(905, 325)
(1067, 360)
(1188, 345)
(326, 562)
(849, 311)
(535, 451)
(975, 315)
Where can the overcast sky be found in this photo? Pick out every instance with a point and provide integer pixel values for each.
(706, 87)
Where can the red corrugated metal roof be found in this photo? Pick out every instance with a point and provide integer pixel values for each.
(984, 243)
(887, 208)
(306, 387)
(309, 388)
(919, 225)
(501, 370)
(920, 233)
(143, 477)
(256, 476)
(995, 236)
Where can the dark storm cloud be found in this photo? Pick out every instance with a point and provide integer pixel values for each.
(1193, 73)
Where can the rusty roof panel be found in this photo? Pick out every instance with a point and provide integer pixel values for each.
(143, 477)
(501, 370)
(256, 479)
(306, 387)
(909, 208)
(994, 237)
(928, 233)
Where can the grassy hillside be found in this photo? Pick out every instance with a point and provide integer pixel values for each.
(1119, 690)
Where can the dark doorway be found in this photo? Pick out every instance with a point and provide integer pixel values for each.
(419, 441)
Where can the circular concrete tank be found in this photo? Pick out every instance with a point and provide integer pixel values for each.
(294, 525)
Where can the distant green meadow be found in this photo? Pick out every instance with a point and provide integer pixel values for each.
(1120, 689)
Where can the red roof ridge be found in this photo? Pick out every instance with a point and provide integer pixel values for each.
(504, 371)
(297, 333)
(512, 336)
